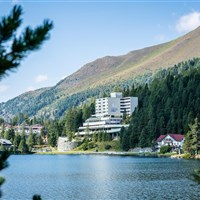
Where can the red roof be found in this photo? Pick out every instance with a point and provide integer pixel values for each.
(161, 137)
(177, 137)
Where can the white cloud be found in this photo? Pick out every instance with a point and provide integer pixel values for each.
(41, 78)
(3, 88)
(188, 22)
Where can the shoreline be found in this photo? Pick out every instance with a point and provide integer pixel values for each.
(109, 153)
(121, 153)
(116, 153)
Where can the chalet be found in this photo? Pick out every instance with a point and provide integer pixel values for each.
(36, 128)
(27, 129)
(174, 140)
(5, 127)
(5, 143)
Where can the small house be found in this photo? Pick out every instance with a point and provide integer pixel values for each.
(174, 140)
(5, 143)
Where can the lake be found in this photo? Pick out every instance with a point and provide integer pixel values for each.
(89, 177)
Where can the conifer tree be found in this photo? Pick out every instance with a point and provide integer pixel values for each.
(22, 145)
(20, 46)
(16, 142)
(3, 164)
(192, 140)
(13, 49)
(30, 141)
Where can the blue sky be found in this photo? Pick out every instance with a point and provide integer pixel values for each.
(87, 30)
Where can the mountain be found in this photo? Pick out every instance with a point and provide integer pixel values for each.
(96, 76)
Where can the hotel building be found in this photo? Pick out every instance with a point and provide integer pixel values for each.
(108, 116)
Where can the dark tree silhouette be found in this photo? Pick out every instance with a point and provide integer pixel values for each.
(13, 48)
(3, 164)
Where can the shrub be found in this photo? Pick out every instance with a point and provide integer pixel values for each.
(187, 156)
(107, 147)
(165, 149)
(91, 145)
(85, 146)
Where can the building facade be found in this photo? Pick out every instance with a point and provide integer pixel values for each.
(65, 145)
(5, 143)
(108, 116)
(27, 129)
(106, 123)
(115, 105)
(174, 140)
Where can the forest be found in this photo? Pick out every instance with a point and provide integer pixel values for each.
(52, 129)
(167, 105)
(169, 101)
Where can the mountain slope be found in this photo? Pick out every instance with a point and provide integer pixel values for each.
(110, 68)
(73, 89)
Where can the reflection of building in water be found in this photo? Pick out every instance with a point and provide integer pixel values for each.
(108, 116)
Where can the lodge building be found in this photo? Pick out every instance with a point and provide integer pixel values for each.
(108, 115)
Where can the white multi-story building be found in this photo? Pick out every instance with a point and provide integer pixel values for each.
(108, 116)
(106, 123)
(115, 105)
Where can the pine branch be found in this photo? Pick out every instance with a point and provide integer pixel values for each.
(3, 157)
(29, 40)
(9, 25)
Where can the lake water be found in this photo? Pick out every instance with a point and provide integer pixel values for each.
(61, 177)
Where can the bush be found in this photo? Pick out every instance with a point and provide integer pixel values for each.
(91, 145)
(165, 149)
(85, 146)
(187, 156)
(107, 147)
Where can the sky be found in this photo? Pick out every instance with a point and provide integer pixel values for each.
(85, 30)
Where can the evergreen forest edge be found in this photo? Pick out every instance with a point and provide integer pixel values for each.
(169, 101)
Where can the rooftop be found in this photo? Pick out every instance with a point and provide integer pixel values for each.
(177, 137)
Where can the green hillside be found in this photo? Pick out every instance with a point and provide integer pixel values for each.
(168, 105)
(102, 75)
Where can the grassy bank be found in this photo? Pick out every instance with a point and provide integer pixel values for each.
(108, 148)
